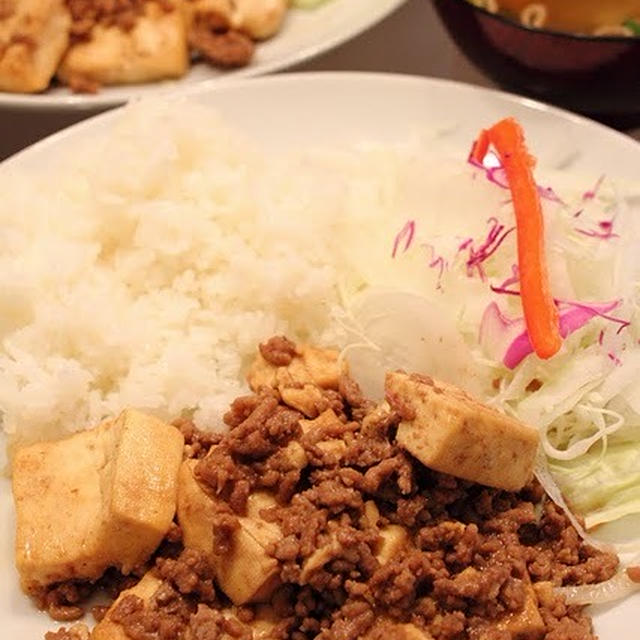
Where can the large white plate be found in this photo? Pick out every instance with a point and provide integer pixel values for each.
(336, 108)
(305, 34)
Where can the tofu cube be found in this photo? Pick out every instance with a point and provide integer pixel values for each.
(264, 622)
(34, 35)
(100, 498)
(393, 538)
(322, 365)
(259, 19)
(220, 11)
(319, 558)
(107, 629)
(310, 366)
(450, 432)
(325, 422)
(261, 626)
(155, 49)
(262, 373)
(307, 399)
(248, 573)
(526, 624)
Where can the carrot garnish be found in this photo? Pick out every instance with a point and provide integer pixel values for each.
(540, 312)
(480, 148)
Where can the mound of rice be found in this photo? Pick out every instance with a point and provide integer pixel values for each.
(145, 268)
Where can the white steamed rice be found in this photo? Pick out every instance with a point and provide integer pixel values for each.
(144, 269)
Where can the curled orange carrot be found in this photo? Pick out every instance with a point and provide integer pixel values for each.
(480, 147)
(540, 313)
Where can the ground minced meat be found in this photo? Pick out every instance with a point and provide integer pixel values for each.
(86, 14)
(475, 563)
(211, 36)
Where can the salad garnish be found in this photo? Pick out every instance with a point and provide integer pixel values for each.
(540, 312)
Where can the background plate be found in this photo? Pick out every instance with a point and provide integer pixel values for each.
(350, 107)
(305, 34)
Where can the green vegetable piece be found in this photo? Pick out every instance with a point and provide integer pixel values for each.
(632, 24)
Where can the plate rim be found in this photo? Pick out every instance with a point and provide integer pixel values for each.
(381, 81)
(300, 77)
(78, 103)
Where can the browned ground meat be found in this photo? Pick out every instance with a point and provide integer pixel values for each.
(77, 632)
(85, 14)
(62, 601)
(472, 557)
(187, 579)
(68, 601)
(278, 350)
(222, 47)
(196, 443)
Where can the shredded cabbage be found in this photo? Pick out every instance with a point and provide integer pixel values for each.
(603, 487)
(459, 324)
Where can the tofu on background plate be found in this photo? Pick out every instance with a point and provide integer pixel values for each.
(34, 35)
(36, 43)
(154, 49)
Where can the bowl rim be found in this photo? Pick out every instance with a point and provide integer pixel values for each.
(581, 37)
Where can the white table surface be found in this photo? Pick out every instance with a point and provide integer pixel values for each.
(412, 40)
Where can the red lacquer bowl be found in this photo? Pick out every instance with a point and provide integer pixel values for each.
(596, 76)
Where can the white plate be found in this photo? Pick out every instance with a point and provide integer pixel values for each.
(354, 107)
(305, 34)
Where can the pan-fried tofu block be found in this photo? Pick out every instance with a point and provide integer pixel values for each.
(247, 573)
(322, 425)
(322, 365)
(264, 622)
(308, 399)
(34, 34)
(107, 629)
(522, 625)
(319, 431)
(527, 623)
(259, 19)
(451, 432)
(319, 558)
(262, 374)
(393, 538)
(260, 626)
(155, 49)
(220, 11)
(103, 497)
(310, 366)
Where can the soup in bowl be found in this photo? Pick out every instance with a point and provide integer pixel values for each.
(589, 17)
(581, 56)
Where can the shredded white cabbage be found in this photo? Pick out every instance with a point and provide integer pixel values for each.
(585, 400)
